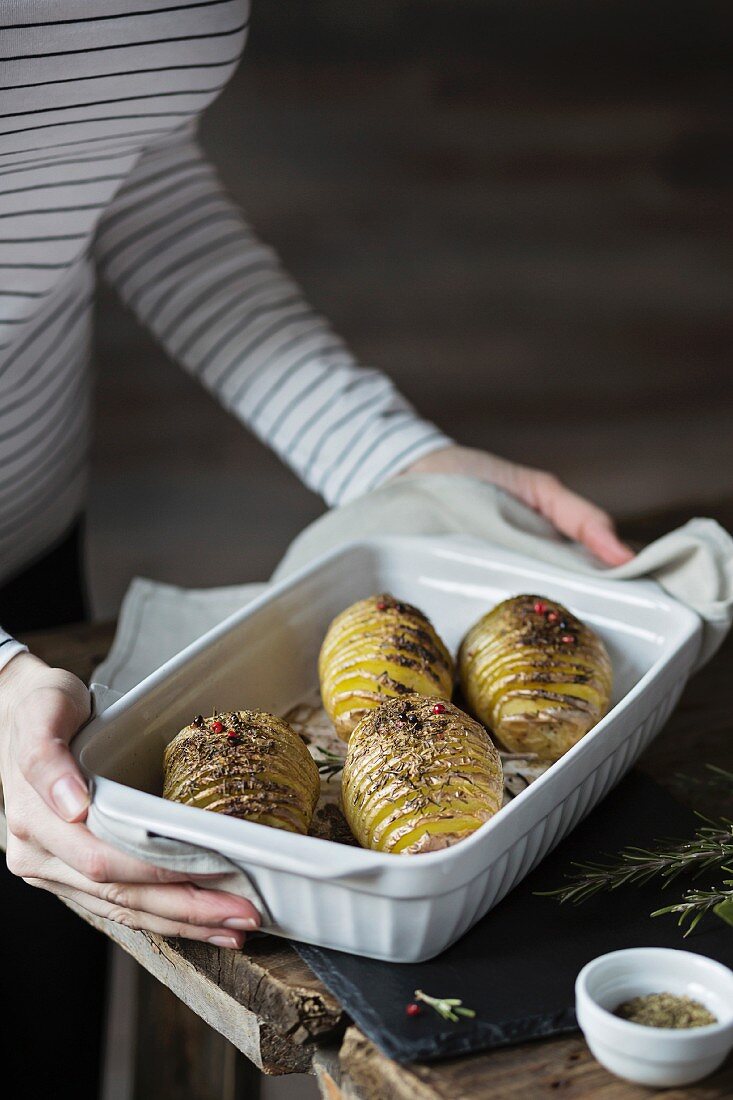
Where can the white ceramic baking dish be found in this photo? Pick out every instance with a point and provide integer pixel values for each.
(399, 908)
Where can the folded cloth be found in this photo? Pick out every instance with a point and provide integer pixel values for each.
(694, 564)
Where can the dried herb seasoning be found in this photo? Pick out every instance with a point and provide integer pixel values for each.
(665, 1010)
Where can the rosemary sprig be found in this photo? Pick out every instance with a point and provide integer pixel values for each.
(696, 903)
(450, 1008)
(330, 763)
(712, 846)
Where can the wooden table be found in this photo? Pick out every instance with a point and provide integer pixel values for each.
(269, 1005)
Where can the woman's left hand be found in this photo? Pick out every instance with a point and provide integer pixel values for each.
(571, 514)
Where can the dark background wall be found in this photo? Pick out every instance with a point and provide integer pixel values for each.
(521, 209)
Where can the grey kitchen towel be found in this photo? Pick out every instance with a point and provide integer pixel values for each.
(694, 564)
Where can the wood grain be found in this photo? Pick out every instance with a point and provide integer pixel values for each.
(555, 1067)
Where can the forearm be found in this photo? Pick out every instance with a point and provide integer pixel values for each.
(181, 256)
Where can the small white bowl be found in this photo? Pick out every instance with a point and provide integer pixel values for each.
(656, 1056)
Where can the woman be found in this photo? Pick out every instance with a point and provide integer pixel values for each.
(99, 165)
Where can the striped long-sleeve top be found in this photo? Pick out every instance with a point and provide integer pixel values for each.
(100, 167)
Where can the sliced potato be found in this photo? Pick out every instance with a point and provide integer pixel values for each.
(379, 648)
(416, 780)
(536, 675)
(247, 764)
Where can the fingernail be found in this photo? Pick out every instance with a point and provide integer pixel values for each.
(224, 941)
(246, 924)
(69, 797)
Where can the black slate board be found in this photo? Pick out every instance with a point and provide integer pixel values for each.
(516, 968)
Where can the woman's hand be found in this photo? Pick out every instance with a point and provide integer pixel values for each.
(573, 515)
(46, 802)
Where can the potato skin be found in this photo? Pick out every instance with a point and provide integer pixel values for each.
(416, 781)
(379, 648)
(536, 675)
(264, 773)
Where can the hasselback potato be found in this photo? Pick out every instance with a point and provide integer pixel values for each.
(379, 648)
(536, 675)
(244, 763)
(419, 775)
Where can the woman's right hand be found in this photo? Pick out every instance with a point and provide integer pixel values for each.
(46, 802)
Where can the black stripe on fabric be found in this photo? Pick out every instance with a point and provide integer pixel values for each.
(191, 307)
(289, 374)
(42, 503)
(297, 341)
(56, 185)
(122, 214)
(396, 425)
(331, 428)
(53, 353)
(43, 240)
(227, 307)
(297, 398)
(136, 182)
(293, 344)
(398, 458)
(6, 640)
(141, 262)
(100, 118)
(49, 403)
(232, 239)
(32, 267)
(56, 443)
(244, 353)
(61, 183)
(23, 293)
(63, 420)
(129, 72)
(115, 15)
(64, 412)
(44, 165)
(131, 45)
(52, 210)
(106, 102)
(43, 325)
(158, 276)
(237, 298)
(88, 141)
(42, 475)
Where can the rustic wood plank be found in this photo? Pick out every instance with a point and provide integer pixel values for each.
(554, 1067)
(268, 1050)
(178, 1056)
(272, 980)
